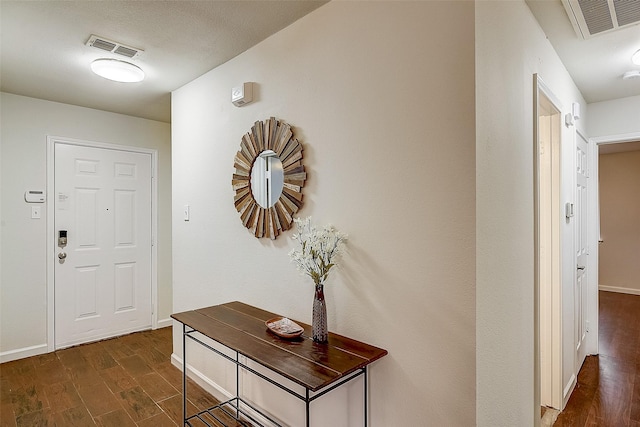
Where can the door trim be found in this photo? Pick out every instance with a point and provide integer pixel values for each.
(51, 240)
(553, 333)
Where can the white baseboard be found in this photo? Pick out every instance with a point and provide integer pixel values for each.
(164, 323)
(619, 290)
(202, 380)
(568, 389)
(21, 353)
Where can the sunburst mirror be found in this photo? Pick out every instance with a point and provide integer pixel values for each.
(269, 178)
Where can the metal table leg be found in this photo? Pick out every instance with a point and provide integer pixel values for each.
(184, 374)
(366, 413)
(307, 406)
(237, 385)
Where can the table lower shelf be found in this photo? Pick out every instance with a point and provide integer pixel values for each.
(236, 411)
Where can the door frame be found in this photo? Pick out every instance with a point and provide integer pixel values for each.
(553, 333)
(594, 228)
(51, 239)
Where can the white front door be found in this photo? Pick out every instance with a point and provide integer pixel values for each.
(103, 273)
(582, 249)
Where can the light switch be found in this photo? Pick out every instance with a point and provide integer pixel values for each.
(187, 212)
(36, 212)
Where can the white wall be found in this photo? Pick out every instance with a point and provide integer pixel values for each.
(616, 117)
(510, 49)
(25, 124)
(381, 94)
(619, 178)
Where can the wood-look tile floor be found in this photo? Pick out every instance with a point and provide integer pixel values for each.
(120, 382)
(608, 389)
(130, 381)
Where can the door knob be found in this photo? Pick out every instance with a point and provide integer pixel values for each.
(62, 255)
(581, 267)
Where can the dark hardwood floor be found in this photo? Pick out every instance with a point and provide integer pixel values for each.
(129, 380)
(608, 389)
(120, 382)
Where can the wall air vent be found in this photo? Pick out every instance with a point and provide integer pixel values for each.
(593, 17)
(113, 47)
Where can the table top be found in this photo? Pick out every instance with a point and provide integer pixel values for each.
(242, 328)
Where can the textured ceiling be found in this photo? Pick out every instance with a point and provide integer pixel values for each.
(43, 52)
(596, 64)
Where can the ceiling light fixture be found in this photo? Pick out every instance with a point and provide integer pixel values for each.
(635, 58)
(116, 70)
(631, 75)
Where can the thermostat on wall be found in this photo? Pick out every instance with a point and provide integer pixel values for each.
(242, 94)
(34, 196)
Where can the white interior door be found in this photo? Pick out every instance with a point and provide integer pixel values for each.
(582, 248)
(103, 201)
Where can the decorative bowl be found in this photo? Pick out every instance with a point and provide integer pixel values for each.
(284, 327)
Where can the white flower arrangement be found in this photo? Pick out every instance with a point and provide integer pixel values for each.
(317, 250)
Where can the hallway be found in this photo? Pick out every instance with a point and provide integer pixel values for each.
(608, 389)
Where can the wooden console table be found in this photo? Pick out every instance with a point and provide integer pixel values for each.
(318, 368)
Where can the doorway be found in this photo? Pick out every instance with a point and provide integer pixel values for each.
(608, 144)
(101, 251)
(619, 231)
(548, 249)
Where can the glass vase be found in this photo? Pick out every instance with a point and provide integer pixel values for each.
(319, 320)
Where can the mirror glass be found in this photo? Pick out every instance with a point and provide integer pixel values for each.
(267, 179)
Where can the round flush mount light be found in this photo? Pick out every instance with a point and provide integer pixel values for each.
(631, 75)
(116, 70)
(635, 58)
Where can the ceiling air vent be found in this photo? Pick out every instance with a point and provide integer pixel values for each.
(593, 17)
(113, 47)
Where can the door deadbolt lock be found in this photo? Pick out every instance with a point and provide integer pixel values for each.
(62, 255)
(62, 238)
